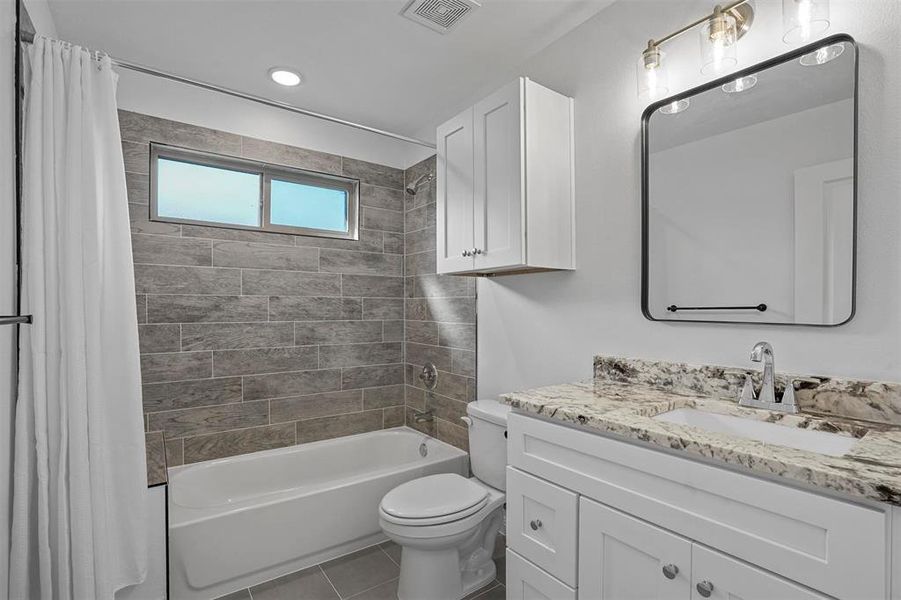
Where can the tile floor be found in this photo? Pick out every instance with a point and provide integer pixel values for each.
(368, 574)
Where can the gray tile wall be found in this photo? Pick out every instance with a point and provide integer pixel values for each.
(440, 321)
(254, 340)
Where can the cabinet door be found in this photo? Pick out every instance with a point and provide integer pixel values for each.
(624, 558)
(716, 576)
(455, 194)
(497, 131)
(525, 581)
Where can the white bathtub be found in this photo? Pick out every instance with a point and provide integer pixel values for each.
(239, 521)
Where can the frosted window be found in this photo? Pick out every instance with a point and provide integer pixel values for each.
(193, 192)
(302, 205)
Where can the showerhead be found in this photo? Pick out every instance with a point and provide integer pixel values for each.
(413, 187)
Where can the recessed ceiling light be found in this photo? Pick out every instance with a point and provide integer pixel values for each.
(283, 76)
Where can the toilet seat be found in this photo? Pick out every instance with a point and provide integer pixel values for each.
(433, 500)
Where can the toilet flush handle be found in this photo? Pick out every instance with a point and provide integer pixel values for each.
(467, 420)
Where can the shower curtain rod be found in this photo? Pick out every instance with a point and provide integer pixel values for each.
(29, 38)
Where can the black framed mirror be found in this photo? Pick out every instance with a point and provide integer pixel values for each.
(749, 194)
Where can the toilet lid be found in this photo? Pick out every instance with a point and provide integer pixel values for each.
(441, 495)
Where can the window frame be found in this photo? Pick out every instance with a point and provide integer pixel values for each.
(267, 172)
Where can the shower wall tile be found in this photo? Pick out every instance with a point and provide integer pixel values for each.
(264, 360)
(372, 286)
(290, 156)
(313, 430)
(440, 322)
(265, 256)
(241, 441)
(374, 174)
(256, 340)
(206, 309)
(229, 336)
(159, 338)
(382, 197)
(289, 283)
(337, 332)
(165, 279)
(314, 406)
(156, 457)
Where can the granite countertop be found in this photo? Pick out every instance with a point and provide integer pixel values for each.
(871, 470)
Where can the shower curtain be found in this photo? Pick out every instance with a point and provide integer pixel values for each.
(79, 477)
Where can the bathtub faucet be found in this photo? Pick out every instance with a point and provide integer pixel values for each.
(424, 416)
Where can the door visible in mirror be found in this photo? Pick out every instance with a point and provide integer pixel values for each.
(749, 194)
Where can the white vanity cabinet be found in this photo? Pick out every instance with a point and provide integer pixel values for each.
(650, 524)
(505, 189)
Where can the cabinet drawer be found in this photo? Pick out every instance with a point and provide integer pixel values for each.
(804, 536)
(526, 581)
(542, 523)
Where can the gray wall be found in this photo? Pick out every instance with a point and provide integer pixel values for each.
(255, 340)
(440, 321)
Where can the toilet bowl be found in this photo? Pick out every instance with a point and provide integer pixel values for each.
(446, 524)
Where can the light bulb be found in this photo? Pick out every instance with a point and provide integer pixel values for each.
(803, 20)
(821, 56)
(675, 107)
(718, 37)
(740, 85)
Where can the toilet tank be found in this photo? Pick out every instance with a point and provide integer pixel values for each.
(488, 441)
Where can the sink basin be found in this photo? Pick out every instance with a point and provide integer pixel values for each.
(822, 442)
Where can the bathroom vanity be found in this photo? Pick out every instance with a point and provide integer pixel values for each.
(627, 489)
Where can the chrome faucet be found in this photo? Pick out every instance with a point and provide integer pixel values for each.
(763, 352)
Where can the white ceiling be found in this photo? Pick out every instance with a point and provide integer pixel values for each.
(360, 59)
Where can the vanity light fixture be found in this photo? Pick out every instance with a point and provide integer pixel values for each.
(822, 55)
(803, 20)
(675, 107)
(718, 37)
(285, 77)
(742, 84)
(720, 30)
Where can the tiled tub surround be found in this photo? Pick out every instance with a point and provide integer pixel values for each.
(440, 321)
(255, 340)
(626, 394)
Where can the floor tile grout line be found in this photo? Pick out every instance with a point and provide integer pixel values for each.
(334, 589)
(361, 592)
(385, 551)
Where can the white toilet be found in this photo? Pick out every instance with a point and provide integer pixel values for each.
(447, 524)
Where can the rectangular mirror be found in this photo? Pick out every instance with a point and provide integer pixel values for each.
(749, 194)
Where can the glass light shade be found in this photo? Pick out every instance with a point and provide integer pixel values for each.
(652, 77)
(675, 107)
(741, 84)
(804, 20)
(718, 50)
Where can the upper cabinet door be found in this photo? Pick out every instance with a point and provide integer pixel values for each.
(498, 178)
(455, 194)
(623, 558)
(719, 577)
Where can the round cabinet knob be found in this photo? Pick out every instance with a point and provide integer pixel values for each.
(535, 525)
(670, 571)
(466, 253)
(476, 251)
(705, 588)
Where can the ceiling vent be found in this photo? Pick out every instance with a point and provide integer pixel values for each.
(439, 15)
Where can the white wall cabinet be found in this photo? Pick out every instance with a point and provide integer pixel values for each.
(505, 184)
(653, 525)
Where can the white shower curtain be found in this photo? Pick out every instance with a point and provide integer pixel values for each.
(79, 480)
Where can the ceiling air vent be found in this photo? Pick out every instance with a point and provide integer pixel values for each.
(439, 15)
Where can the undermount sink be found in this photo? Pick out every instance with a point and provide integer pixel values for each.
(822, 442)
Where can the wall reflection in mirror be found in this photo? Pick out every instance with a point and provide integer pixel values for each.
(749, 194)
